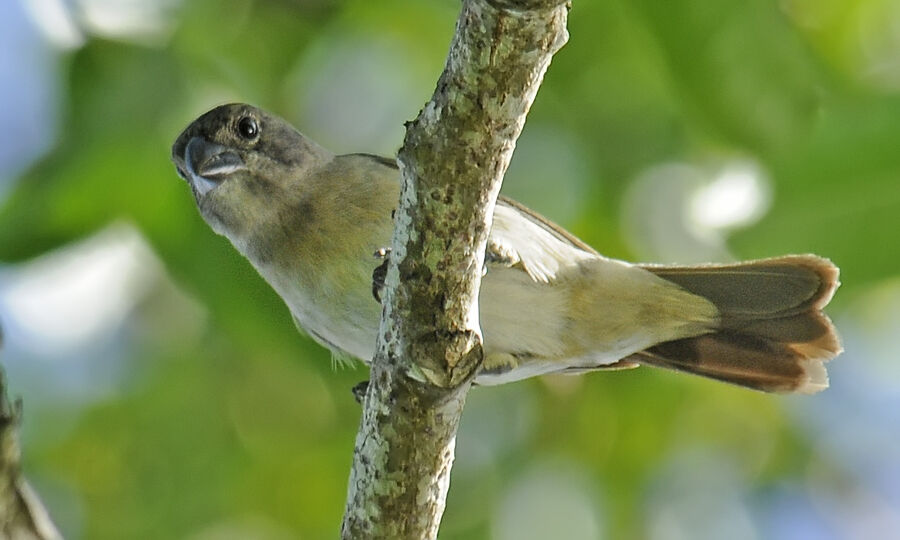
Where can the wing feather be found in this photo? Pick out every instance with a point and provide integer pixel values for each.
(522, 238)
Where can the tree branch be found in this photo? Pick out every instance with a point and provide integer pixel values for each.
(429, 348)
(22, 516)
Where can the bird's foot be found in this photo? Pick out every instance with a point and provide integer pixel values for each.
(380, 272)
(359, 391)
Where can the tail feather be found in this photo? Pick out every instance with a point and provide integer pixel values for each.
(772, 335)
(764, 288)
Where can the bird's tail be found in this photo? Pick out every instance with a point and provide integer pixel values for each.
(772, 334)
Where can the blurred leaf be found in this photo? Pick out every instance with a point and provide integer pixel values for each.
(740, 68)
(244, 426)
(840, 195)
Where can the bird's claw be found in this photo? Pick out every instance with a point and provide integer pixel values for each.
(380, 272)
(359, 391)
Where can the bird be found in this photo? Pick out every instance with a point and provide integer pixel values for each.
(309, 221)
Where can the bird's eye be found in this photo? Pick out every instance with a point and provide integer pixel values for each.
(248, 128)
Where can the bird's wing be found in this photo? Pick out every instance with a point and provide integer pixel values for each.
(524, 239)
(521, 238)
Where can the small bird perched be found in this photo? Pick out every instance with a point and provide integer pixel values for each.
(310, 221)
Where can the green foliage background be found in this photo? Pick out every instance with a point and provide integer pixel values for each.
(238, 427)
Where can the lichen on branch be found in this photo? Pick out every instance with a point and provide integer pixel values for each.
(452, 161)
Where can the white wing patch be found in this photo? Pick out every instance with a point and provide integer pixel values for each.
(527, 240)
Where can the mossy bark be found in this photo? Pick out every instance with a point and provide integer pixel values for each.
(429, 348)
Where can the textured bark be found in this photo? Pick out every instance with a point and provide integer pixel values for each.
(429, 348)
(22, 516)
